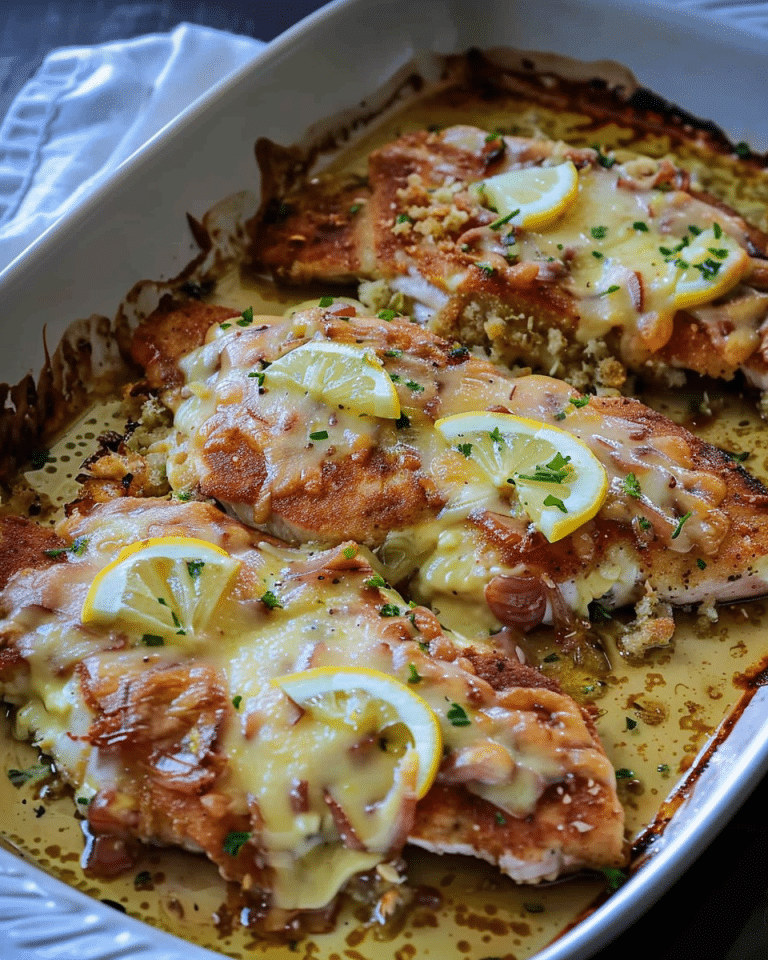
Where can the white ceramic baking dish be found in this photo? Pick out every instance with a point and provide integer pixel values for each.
(701, 55)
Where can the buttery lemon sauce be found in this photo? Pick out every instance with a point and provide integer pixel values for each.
(654, 717)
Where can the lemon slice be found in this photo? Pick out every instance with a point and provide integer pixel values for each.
(339, 374)
(707, 268)
(560, 483)
(352, 695)
(536, 196)
(164, 587)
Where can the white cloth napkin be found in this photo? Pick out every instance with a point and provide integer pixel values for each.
(87, 109)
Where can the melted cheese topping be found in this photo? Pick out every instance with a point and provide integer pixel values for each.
(659, 498)
(326, 801)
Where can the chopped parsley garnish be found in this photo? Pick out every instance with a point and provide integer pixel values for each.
(395, 378)
(598, 613)
(645, 523)
(663, 768)
(142, 879)
(500, 818)
(742, 149)
(413, 674)
(676, 532)
(375, 581)
(496, 436)
(391, 353)
(355, 208)
(77, 547)
(387, 315)
(615, 877)
(631, 485)
(83, 801)
(603, 159)
(271, 601)
(246, 317)
(624, 773)
(553, 472)
(598, 232)
(580, 401)
(258, 376)
(234, 841)
(319, 435)
(612, 289)
(236, 701)
(389, 610)
(701, 564)
(552, 501)
(487, 269)
(551, 658)
(631, 723)
(403, 421)
(639, 225)
(717, 230)
(494, 135)
(403, 218)
(465, 449)
(152, 640)
(19, 777)
(224, 326)
(413, 385)
(349, 553)
(325, 302)
(720, 252)
(502, 221)
(597, 255)
(195, 568)
(694, 229)
(458, 353)
(457, 716)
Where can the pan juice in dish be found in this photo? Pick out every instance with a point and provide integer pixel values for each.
(655, 705)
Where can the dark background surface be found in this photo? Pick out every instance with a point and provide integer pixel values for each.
(718, 909)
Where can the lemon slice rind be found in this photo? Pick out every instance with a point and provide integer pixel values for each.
(168, 586)
(537, 196)
(339, 374)
(524, 446)
(410, 709)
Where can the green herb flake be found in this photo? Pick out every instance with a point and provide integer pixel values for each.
(195, 568)
(499, 817)
(258, 376)
(355, 208)
(717, 230)
(612, 289)
(552, 501)
(319, 435)
(224, 326)
(413, 674)
(152, 640)
(387, 315)
(615, 877)
(496, 436)
(83, 801)
(599, 233)
(701, 564)
(403, 422)
(502, 221)
(376, 582)
(349, 553)
(645, 523)
(234, 841)
(487, 269)
(396, 354)
(597, 255)
(403, 218)
(551, 658)
(19, 777)
(579, 402)
(236, 701)
(742, 149)
(246, 317)
(40, 458)
(465, 449)
(663, 769)
(640, 226)
(678, 529)
(142, 879)
(389, 610)
(271, 601)
(457, 716)
(631, 723)
(325, 302)
(414, 386)
(631, 486)
(553, 472)
(624, 773)
(602, 158)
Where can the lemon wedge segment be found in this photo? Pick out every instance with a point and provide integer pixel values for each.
(373, 702)
(339, 374)
(560, 484)
(707, 268)
(532, 197)
(164, 588)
